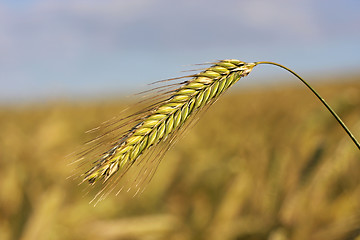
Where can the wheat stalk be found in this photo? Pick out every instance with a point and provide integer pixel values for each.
(162, 121)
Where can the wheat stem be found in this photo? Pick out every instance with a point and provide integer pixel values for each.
(320, 98)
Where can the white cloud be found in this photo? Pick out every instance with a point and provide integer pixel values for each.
(69, 28)
(107, 10)
(283, 17)
(64, 27)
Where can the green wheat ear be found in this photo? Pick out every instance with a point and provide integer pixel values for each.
(142, 138)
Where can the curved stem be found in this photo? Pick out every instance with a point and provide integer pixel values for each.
(319, 97)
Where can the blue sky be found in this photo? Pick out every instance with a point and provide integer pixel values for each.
(53, 49)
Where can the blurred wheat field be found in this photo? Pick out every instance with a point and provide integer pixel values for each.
(263, 164)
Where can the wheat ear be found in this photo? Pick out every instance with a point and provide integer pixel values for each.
(161, 121)
(167, 117)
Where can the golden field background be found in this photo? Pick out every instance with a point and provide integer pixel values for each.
(260, 164)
